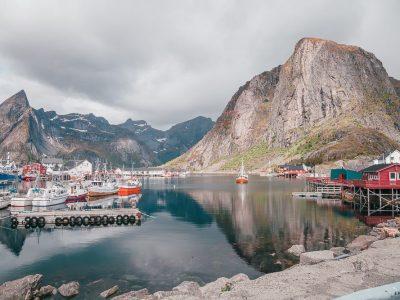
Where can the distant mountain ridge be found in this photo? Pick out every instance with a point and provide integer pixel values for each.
(327, 102)
(28, 134)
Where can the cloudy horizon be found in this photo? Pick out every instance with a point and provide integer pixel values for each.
(169, 61)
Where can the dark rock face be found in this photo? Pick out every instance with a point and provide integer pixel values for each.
(322, 94)
(28, 133)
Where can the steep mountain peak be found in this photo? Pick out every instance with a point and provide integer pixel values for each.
(18, 101)
(308, 109)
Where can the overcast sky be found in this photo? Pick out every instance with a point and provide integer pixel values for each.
(168, 61)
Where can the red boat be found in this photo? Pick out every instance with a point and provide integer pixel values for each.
(130, 187)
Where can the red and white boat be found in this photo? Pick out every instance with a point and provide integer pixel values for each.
(130, 187)
(76, 193)
(242, 177)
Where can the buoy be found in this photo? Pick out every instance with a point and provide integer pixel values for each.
(139, 215)
(27, 225)
(86, 220)
(72, 221)
(14, 220)
(58, 221)
(92, 220)
(65, 221)
(78, 221)
(119, 217)
(111, 220)
(132, 219)
(41, 222)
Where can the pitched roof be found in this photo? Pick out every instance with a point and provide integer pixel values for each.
(376, 168)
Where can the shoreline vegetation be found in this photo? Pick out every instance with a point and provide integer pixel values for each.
(368, 261)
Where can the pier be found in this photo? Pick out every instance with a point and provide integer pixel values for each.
(95, 217)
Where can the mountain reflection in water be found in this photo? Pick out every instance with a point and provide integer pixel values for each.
(205, 227)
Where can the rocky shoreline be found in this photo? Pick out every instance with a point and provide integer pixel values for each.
(368, 261)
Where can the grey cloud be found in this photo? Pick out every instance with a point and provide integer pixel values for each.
(167, 61)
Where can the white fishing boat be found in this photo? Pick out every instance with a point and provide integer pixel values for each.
(102, 188)
(5, 199)
(77, 192)
(53, 195)
(25, 200)
(242, 176)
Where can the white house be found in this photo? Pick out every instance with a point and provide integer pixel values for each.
(81, 168)
(392, 158)
(52, 164)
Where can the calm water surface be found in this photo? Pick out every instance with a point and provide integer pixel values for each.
(203, 228)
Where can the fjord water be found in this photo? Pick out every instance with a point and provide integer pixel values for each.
(202, 228)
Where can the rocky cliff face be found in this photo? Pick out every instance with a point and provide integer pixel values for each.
(328, 101)
(28, 133)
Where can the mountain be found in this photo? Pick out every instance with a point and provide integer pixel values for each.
(327, 102)
(169, 144)
(28, 134)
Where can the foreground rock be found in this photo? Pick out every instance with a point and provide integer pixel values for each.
(45, 291)
(69, 289)
(23, 288)
(296, 250)
(315, 257)
(360, 243)
(140, 294)
(109, 292)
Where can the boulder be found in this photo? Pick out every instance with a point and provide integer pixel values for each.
(214, 288)
(337, 251)
(239, 277)
(314, 257)
(162, 294)
(46, 291)
(139, 294)
(189, 288)
(109, 292)
(296, 250)
(360, 243)
(22, 288)
(69, 289)
(391, 232)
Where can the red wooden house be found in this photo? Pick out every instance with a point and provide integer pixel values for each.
(380, 176)
(30, 171)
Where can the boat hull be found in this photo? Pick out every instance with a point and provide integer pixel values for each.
(127, 191)
(48, 202)
(21, 202)
(242, 180)
(76, 198)
(4, 204)
(102, 193)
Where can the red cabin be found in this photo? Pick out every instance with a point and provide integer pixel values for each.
(381, 176)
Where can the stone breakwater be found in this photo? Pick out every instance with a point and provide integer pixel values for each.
(368, 261)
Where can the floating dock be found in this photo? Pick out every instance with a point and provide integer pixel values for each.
(94, 217)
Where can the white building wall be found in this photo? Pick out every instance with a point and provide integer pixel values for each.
(84, 168)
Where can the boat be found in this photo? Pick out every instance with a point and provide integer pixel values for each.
(242, 177)
(102, 188)
(132, 186)
(25, 200)
(56, 194)
(5, 199)
(76, 193)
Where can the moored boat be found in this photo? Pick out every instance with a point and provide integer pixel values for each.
(5, 199)
(242, 177)
(130, 187)
(53, 195)
(102, 188)
(76, 193)
(25, 200)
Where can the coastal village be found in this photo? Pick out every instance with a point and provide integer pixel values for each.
(199, 150)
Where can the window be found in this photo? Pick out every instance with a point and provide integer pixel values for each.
(398, 176)
(392, 176)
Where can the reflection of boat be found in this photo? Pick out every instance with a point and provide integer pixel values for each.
(53, 195)
(242, 176)
(102, 188)
(25, 200)
(130, 187)
(76, 193)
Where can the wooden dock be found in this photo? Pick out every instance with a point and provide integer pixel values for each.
(93, 217)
